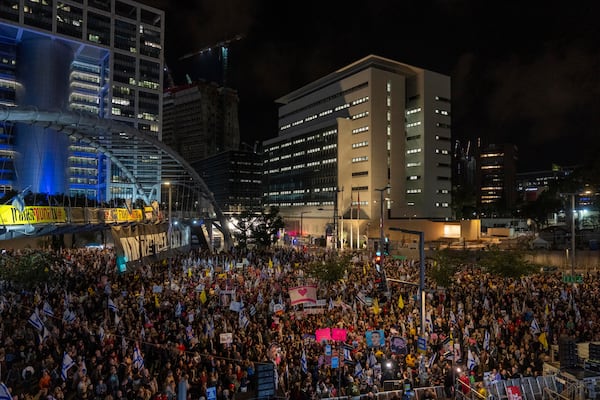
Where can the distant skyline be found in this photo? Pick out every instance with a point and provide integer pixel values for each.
(522, 73)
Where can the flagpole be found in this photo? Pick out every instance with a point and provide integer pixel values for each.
(358, 222)
(351, 220)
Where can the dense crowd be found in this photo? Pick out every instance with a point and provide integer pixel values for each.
(175, 330)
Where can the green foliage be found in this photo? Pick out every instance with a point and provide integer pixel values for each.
(445, 264)
(258, 228)
(29, 269)
(332, 269)
(510, 264)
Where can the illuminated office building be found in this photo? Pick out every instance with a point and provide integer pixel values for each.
(103, 57)
(373, 123)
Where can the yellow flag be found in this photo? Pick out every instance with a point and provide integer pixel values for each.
(270, 263)
(156, 302)
(543, 340)
(375, 306)
(203, 297)
(364, 269)
(400, 302)
(189, 272)
(547, 311)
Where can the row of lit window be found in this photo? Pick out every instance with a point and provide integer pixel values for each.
(413, 191)
(361, 115)
(360, 144)
(413, 124)
(413, 151)
(324, 113)
(413, 164)
(83, 181)
(413, 111)
(360, 130)
(85, 107)
(360, 159)
(442, 205)
(486, 155)
(491, 166)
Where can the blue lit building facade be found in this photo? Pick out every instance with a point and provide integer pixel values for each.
(103, 57)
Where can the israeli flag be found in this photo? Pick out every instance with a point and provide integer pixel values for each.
(112, 306)
(535, 327)
(138, 360)
(304, 362)
(358, 370)
(178, 309)
(36, 321)
(470, 360)
(486, 340)
(66, 365)
(69, 316)
(4, 392)
(47, 309)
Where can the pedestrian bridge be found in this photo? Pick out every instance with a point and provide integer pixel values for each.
(127, 148)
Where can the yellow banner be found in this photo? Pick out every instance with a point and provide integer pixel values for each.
(9, 215)
(121, 215)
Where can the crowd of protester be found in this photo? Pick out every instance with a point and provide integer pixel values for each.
(156, 331)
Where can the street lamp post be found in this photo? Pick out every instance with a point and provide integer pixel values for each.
(302, 222)
(573, 235)
(169, 233)
(381, 235)
(421, 272)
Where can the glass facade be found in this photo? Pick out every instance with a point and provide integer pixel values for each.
(112, 64)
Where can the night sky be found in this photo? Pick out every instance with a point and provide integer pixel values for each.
(522, 72)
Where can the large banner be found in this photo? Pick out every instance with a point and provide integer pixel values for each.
(120, 215)
(10, 215)
(303, 294)
(143, 240)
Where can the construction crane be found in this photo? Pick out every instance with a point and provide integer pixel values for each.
(224, 46)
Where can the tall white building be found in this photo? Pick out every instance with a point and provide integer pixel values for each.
(373, 124)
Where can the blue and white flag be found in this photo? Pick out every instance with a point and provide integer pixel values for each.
(4, 392)
(67, 363)
(432, 360)
(138, 360)
(36, 321)
(69, 316)
(243, 321)
(47, 309)
(535, 327)
(112, 306)
(358, 370)
(304, 362)
(372, 360)
(470, 360)
(101, 334)
(178, 308)
(347, 350)
(486, 340)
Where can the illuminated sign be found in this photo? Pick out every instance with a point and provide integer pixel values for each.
(120, 215)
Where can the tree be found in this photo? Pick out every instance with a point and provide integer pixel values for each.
(267, 227)
(331, 269)
(445, 264)
(28, 269)
(260, 228)
(510, 264)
